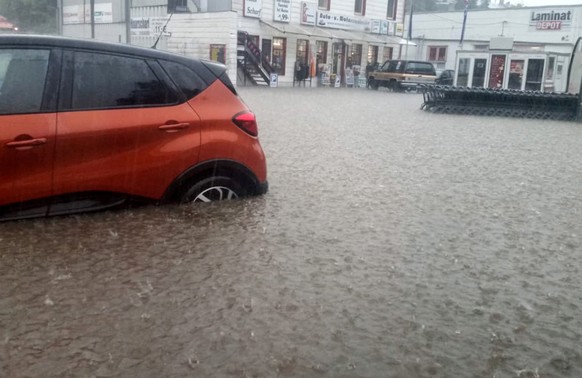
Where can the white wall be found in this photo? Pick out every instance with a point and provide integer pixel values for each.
(444, 29)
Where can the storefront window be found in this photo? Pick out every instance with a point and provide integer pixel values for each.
(323, 4)
(497, 71)
(515, 74)
(535, 71)
(372, 54)
(279, 55)
(387, 54)
(355, 57)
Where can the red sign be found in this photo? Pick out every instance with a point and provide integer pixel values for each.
(549, 25)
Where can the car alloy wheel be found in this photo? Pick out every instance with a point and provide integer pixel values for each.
(216, 188)
(216, 193)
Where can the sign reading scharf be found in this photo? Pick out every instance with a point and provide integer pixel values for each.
(253, 8)
(551, 19)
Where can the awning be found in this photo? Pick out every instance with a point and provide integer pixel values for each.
(308, 31)
(346, 36)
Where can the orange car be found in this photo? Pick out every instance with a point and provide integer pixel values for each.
(88, 125)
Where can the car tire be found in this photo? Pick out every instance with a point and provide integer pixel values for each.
(215, 188)
(374, 84)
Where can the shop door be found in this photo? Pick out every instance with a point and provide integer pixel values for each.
(535, 73)
(266, 49)
(515, 74)
(336, 53)
(479, 68)
(463, 72)
(302, 51)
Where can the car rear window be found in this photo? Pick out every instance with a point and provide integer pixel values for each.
(420, 68)
(185, 78)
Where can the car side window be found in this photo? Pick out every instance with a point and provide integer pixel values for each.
(394, 66)
(23, 75)
(104, 81)
(185, 78)
(411, 67)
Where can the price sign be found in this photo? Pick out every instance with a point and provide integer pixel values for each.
(282, 10)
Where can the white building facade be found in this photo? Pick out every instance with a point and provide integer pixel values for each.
(516, 48)
(296, 40)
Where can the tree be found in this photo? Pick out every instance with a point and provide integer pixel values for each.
(37, 16)
(424, 5)
(460, 4)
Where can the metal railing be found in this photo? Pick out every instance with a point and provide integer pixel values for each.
(500, 102)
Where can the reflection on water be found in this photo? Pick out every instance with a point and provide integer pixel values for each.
(392, 242)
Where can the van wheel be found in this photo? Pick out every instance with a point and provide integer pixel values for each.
(216, 188)
(374, 84)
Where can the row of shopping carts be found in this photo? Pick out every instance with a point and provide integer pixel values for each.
(500, 102)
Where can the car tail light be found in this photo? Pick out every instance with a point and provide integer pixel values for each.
(247, 122)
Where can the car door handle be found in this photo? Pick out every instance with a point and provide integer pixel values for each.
(26, 143)
(173, 127)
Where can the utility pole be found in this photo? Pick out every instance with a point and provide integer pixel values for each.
(92, 6)
(128, 21)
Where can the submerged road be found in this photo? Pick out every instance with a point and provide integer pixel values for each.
(392, 243)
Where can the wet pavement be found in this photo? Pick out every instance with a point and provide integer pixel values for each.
(393, 243)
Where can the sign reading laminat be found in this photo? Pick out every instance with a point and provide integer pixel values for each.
(253, 8)
(282, 11)
(551, 19)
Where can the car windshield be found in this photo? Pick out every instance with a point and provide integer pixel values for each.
(287, 189)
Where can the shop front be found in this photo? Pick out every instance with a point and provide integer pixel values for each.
(511, 70)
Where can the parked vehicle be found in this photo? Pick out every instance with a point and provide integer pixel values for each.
(88, 125)
(400, 75)
(445, 77)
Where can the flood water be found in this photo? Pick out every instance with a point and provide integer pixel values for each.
(392, 243)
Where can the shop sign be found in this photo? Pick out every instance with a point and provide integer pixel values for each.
(149, 26)
(274, 82)
(253, 8)
(383, 27)
(399, 28)
(218, 53)
(308, 13)
(73, 14)
(551, 19)
(282, 11)
(81, 14)
(331, 20)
